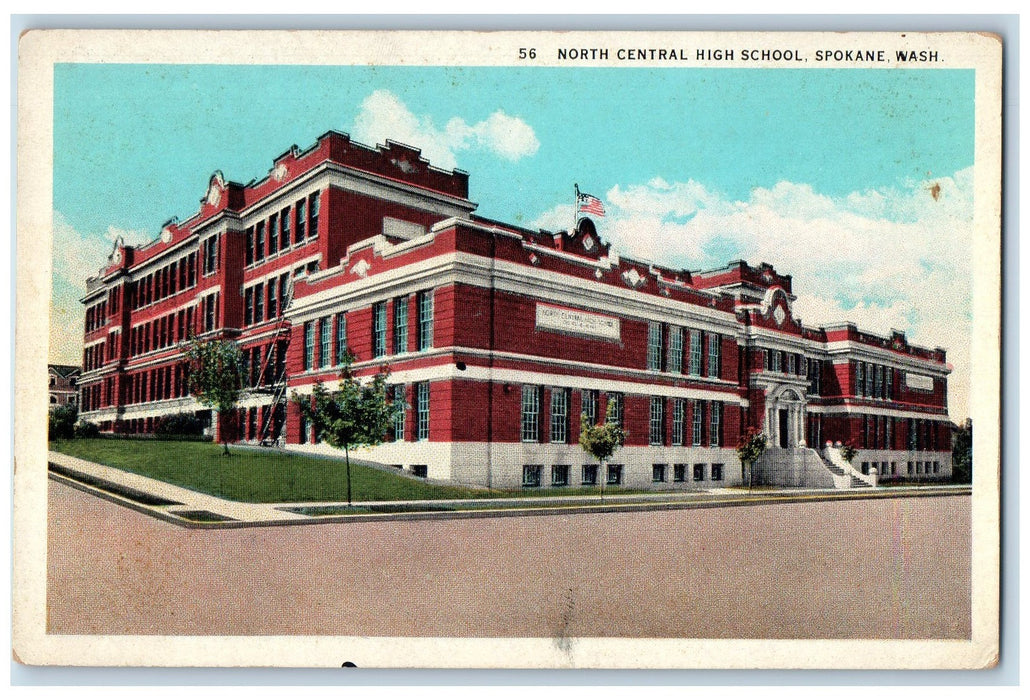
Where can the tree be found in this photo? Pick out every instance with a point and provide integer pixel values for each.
(848, 452)
(216, 377)
(962, 454)
(750, 450)
(62, 422)
(601, 441)
(357, 414)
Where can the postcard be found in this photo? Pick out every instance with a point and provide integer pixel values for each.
(508, 349)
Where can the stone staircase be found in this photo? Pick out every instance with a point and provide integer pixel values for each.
(843, 470)
(804, 467)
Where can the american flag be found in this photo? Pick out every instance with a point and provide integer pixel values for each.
(588, 204)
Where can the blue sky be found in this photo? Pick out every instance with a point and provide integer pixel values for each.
(824, 173)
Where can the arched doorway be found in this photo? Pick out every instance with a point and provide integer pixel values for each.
(785, 417)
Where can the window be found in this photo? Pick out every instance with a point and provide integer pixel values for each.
(425, 320)
(273, 234)
(869, 380)
(301, 221)
(695, 353)
(259, 242)
(654, 346)
(379, 329)
(325, 333)
(530, 414)
(614, 474)
(814, 376)
(210, 312)
(715, 424)
(658, 473)
(398, 416)
(617, 401)
(589, 397)
(717, 472)
(910, 468)
(859, 379)
(679, 472)
(309, 345)
(420, 470)
(699, 472)
(714, 355)
(422, 410)
(792, 364)
(656, 432)
(679, 409)
(400, 325)
(589, 475)
(889, 383)
(313, 215)
(248, 306)
(531, 475)
(250, 245)
(560, 475)
(675, 361)
(777, 358)
(559, 415)
(273, 301)
(284, 228)
(341, 338)
(878, 383)
(210, 248)
(697, 423)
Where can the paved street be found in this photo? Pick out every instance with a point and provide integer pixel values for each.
(881, 568)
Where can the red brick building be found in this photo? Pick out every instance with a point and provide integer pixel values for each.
(497, 337)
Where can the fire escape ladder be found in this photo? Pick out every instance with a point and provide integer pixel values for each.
(277, 388)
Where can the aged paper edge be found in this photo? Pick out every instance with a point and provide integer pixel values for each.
(40, 50)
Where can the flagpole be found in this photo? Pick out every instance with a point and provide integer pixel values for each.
(575, 211)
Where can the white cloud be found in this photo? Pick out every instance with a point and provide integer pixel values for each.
(76, 256)
(887, 258)
(384, 116)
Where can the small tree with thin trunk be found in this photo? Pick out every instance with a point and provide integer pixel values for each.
(601, 441)
(750, 450)
(216, 377)
(357, 414)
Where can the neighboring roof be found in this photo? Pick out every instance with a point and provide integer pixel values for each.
(65, 370)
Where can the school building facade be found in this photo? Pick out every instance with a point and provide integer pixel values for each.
(497, 339)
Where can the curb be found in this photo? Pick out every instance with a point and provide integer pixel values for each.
(728, 501)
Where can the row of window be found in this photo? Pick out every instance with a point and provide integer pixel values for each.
(265, 364)
(874, 381)
(253, 421)
(265, 301)
(688, 417)
(916, 467)
(398, 431)
(94, 356)
(672, 352)
(881, 433)
(161, 333)
(532, 474)
(271, 236)
(96, 316)
(384, 342)
(167, 281)
(158, 384)
(660, 472)
(795, 364)
(321, 352)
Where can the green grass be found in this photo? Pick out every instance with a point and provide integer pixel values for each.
(256, 476)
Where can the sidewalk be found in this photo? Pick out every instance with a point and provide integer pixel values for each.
(190, 508)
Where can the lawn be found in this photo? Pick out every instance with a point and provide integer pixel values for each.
(257, 476)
